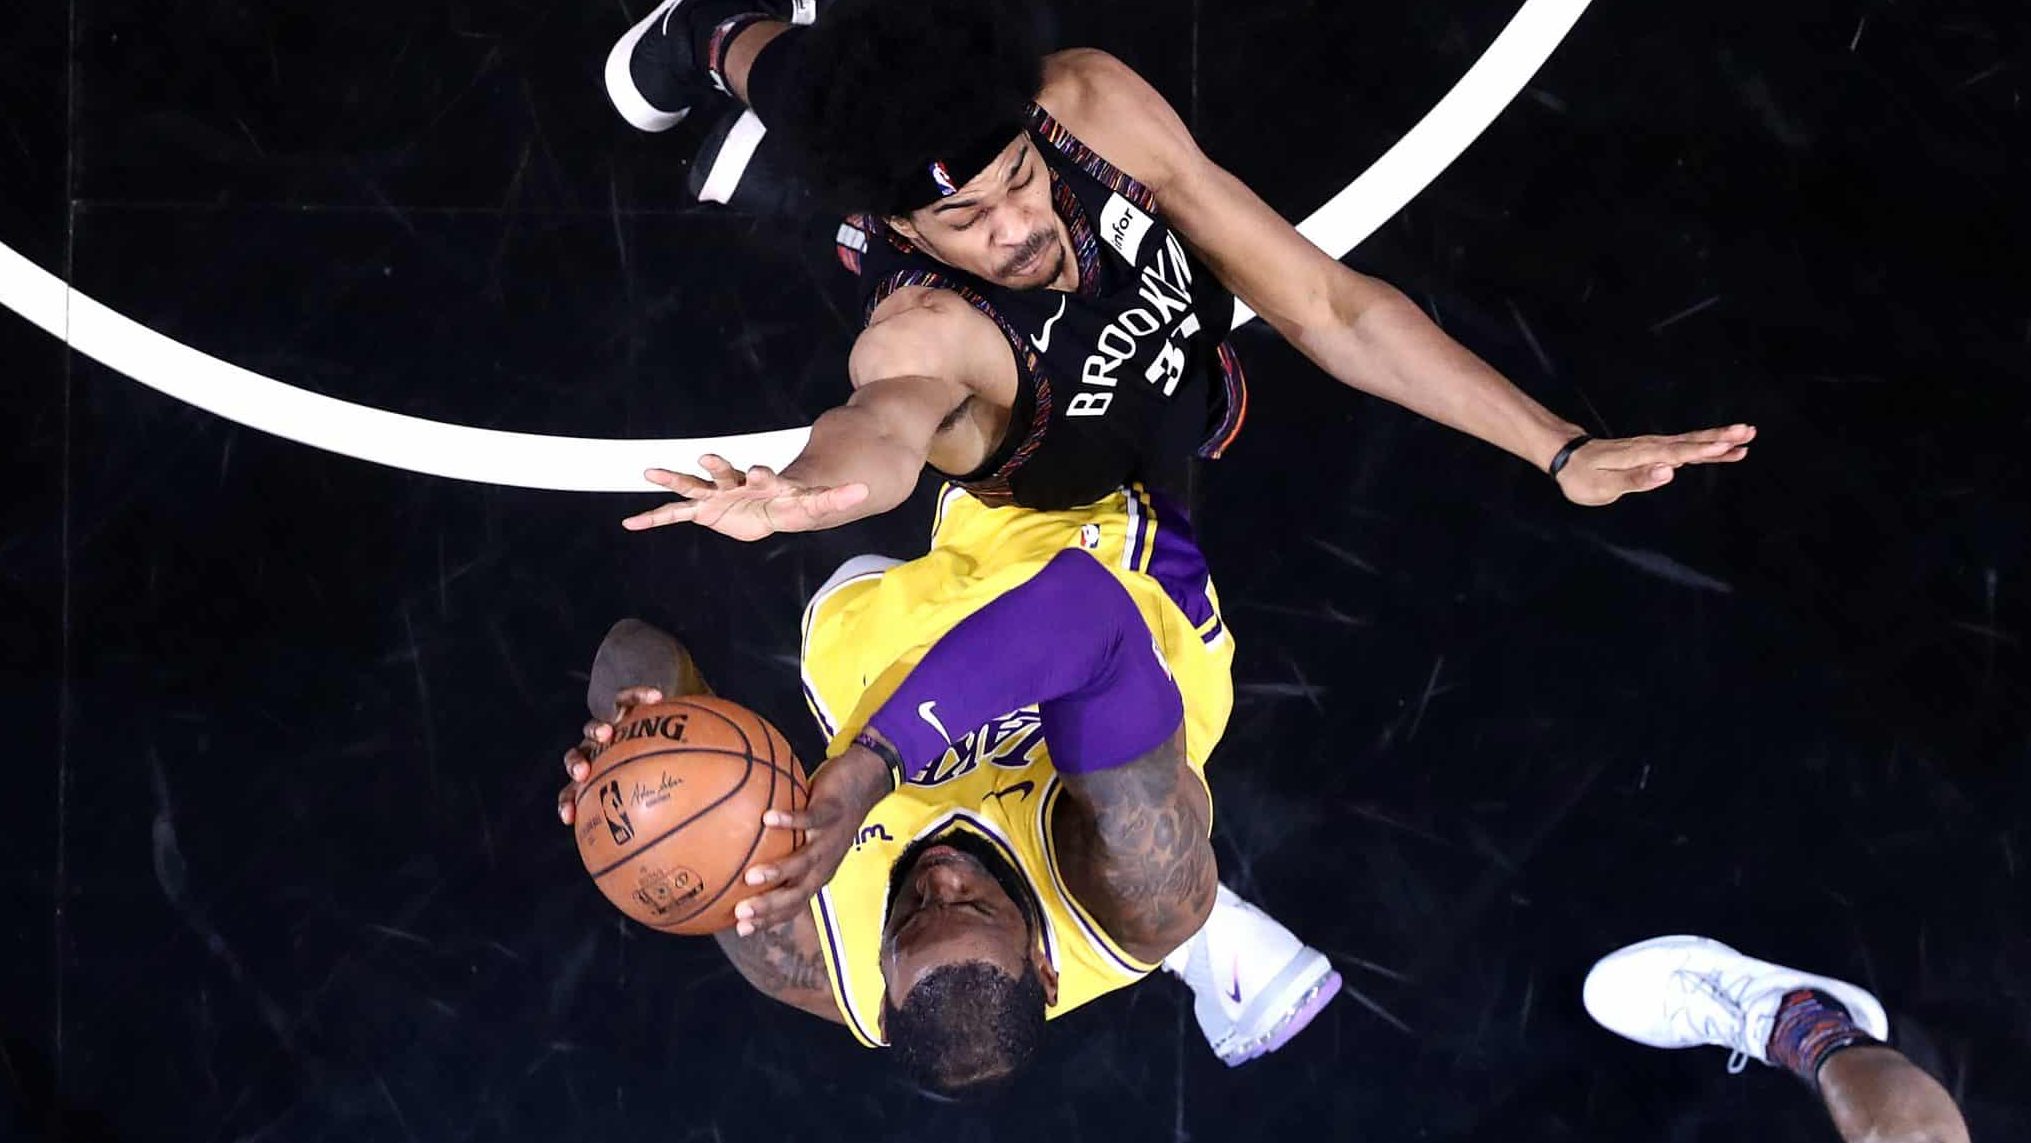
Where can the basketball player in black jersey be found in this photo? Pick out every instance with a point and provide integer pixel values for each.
(1048, 265)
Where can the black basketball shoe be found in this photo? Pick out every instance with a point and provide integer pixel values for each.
(740, 165)
(656, 74)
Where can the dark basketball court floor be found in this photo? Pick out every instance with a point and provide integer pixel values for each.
(277, 844)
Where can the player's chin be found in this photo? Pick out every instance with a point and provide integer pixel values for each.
(1015, 281)
(1029, 275)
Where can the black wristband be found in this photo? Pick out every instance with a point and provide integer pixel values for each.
(887, 754)
(1558, 462)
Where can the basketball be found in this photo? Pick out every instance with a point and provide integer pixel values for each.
(671, 815)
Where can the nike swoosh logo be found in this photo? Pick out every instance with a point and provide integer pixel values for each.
(1234, 993)
(925, 712)
(1021, 789)
(1043, 341)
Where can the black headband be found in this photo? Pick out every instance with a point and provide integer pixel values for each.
(942, 175)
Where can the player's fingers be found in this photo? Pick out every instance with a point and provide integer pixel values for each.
(1642, 453)
(788, 819)
(682, 483)
(680, 512)
(1733, 434)
(567, 803)
(725, 477)
(795, 869)
(1738, 452)
(1697, 452)
(578, 762)
(631, 697)
(769, 909)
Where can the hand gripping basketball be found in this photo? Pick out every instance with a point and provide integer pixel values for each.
(666, 806)
(593, 737)
(844, 790)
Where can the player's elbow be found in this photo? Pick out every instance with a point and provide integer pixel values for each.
(1163, 930)
(1353, 302)
(1353, 322)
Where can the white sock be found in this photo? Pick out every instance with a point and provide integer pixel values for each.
(1235, 954)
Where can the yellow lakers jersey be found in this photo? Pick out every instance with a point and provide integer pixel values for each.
(864, 633)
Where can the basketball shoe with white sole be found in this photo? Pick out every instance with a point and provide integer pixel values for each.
(1685, 992)
(654, 73)
(1254, 984)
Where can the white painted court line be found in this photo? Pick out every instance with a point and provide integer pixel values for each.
(587, 464)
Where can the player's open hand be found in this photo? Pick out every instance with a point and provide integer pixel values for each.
(1603, 471)
(842, 793)
(748, 505)
(594, 737)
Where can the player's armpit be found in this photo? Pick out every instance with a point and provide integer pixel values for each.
(787, 963)
(1133, 844)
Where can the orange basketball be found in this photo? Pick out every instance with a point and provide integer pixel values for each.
(671, 816)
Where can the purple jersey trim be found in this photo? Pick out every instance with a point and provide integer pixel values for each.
(835, 956)
(1175, 562)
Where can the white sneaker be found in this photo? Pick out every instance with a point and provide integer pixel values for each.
(1683, 992)
(1254, 983)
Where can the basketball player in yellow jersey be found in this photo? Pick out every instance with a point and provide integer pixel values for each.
(1014, 818)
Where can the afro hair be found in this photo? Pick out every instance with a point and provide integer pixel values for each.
(884, 87)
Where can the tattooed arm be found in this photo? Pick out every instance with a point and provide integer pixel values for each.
(785, 962)
(1132, 840)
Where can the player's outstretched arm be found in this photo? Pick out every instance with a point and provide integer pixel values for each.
(912, 369)
(861, 460)
(1362, 331)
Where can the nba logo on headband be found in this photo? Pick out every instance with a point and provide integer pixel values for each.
(943, 178)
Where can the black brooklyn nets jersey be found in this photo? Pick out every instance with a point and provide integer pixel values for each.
(1127, 378)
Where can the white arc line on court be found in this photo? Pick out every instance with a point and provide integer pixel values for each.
(589, 464)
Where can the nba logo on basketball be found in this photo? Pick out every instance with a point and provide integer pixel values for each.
(943, 178)
(615, 808)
